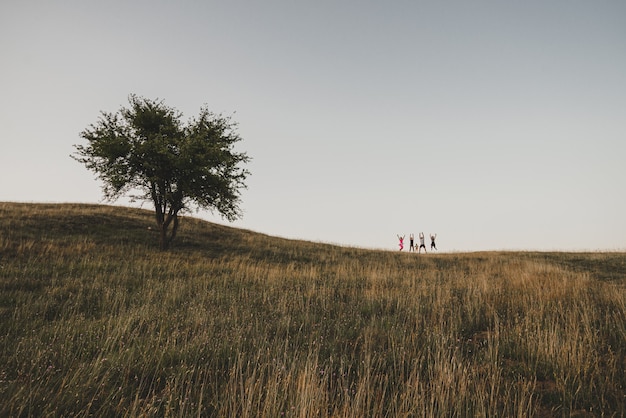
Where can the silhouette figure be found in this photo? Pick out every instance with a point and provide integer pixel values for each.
(432, 241)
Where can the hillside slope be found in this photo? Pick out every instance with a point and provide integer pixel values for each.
(102, 227)
(39, 228)
(95, 320)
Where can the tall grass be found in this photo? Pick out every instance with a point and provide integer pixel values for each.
(96, 321)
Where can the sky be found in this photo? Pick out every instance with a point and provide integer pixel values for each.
(497, 125)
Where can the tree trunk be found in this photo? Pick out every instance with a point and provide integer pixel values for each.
(165, 240)
(163, 225)
(164, 216)
(174, 228)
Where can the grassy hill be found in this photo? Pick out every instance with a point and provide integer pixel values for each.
(97, 321)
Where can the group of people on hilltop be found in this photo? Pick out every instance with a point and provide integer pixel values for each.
(433, 246)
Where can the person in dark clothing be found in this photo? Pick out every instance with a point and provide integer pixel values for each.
(432, 241)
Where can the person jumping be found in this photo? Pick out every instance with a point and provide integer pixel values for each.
(422, 245)
(401, 244)
(412, 241)
(432, 241)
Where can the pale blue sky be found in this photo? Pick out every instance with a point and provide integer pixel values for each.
(495, 124)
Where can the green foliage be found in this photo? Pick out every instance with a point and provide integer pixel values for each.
(95, 322)
(147, 149)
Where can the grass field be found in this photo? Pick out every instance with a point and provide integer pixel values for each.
(97, 322)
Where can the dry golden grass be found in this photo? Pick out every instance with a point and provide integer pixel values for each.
(97, 321)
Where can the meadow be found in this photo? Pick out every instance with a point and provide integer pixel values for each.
(96, 321)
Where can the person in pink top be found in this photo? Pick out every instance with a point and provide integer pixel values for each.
(401, 244)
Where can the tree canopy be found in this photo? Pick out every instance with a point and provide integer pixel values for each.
(147, 150)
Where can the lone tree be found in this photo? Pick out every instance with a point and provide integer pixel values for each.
(146, 148)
